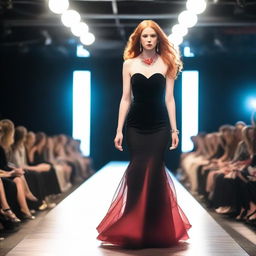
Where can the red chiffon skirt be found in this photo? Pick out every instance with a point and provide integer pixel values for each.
(144, 212)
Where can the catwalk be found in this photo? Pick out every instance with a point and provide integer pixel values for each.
(69, 229)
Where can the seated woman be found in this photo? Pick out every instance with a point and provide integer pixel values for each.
(63, 170)
(192, 161)
(34, 179)
(73, 151)
(246, 180)
(5, 210)
(23, 192)
(230, 143)
(34, 145)
(230, 194)
(215, 152)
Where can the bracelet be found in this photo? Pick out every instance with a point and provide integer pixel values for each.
(175, 130)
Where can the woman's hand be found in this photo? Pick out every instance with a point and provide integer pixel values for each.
(18, 172)
(5, 174)
(118, 141)
(175, 140)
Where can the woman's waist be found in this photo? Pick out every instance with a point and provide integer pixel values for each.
(154, 101)
(148, 105)
(147, 113)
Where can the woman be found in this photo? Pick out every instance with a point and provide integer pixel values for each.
(34, 179)
(63, 170)
(17, 174)
(37, 163)
(5, 209)
(144, 211)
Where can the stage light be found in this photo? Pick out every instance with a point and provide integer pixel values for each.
(48, 38)
(190, 86)
(82, 52)
(196, 6)
(251, 102)
(179, 29)
(175, 39)
(58, 6)
(87, 38)
(79, 29)
(70, 17)
(187, 19)
(82, 109)
(187, 52)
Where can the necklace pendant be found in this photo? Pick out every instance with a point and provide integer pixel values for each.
(148, 61)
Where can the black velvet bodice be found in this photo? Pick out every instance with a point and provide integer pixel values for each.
(148, 110)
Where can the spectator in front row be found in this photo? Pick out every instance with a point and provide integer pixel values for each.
(222, 170)
(13, 173)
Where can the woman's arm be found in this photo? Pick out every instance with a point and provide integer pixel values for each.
(30, 154)
(170, 102)
(126, 96)
(124, 105)
(6, 174)
(171, 108)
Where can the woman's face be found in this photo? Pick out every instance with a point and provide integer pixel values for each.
(42, 142)
(228, 136)
(11, 138)
(31, 138)
(148, 38)
(49, 142)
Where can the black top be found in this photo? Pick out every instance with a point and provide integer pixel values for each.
(148, 110)
(4, 160)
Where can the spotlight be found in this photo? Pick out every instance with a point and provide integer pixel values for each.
(79, 28)
(70, 17)
(187, 52)
(179, 29)
(87, 38)
(187, 19)
(196, 6)
(82, 52)
(58, 6)
(252, 103)
(175, 39)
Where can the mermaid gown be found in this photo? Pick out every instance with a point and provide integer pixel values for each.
(144, 211)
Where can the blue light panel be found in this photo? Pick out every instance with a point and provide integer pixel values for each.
(190, 88)
(82, 109)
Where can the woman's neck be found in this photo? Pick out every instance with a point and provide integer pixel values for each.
(28, 146)
(148, 53)
(5, 147)
(39, 149)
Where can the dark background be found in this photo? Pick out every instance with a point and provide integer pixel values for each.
(36, 91)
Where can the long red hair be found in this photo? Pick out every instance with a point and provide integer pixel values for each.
(169, 54)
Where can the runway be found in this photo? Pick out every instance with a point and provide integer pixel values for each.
(69, 229)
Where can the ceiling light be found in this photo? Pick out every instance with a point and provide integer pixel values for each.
(70, 17)
(87, 38)
(58, 6)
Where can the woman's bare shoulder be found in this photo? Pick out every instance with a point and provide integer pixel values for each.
(129, 62)
(163, 64)
(161, 59)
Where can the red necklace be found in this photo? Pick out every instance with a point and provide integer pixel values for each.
(149, 61)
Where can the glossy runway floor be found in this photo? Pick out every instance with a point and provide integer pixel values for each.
(69, 229)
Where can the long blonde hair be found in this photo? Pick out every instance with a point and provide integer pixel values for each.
(6, 133)
(169, 54)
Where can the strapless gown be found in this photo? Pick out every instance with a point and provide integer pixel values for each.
(144, 212)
